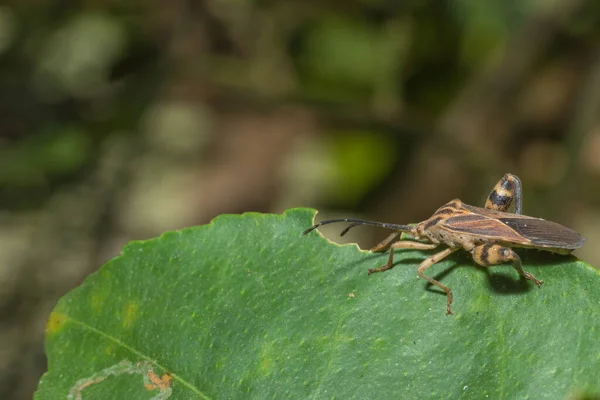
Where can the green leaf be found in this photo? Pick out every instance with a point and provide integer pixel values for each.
(245, 307)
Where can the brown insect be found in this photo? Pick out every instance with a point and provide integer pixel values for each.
(487, 233)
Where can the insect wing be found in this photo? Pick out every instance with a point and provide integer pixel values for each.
(484, 227)
(545, 233)
(514, 229)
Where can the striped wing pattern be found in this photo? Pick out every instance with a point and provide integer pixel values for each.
(507, 227)
(485, 227)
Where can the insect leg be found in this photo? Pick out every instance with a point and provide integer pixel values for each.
(400, 245)
(434, 259)
(503, 194)
(494, 254)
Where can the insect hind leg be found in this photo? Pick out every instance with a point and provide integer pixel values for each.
(503, 194)
(488, 255)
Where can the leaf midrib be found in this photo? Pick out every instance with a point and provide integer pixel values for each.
(139, 354)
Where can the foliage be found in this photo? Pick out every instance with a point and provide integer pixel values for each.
(245, 307)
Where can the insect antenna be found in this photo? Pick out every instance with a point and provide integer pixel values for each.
(356, 222)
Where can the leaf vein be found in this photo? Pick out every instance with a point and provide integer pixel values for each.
(139, 354)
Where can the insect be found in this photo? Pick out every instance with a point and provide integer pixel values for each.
(489, 234)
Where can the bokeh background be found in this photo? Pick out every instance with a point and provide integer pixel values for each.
(121, 120)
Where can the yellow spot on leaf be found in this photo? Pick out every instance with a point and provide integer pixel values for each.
(98, 299)
(265, 365)
(129, 315)
(55, 322)
(266, 359)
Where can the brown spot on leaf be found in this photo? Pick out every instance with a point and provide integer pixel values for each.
(55, 322)
(158, 382)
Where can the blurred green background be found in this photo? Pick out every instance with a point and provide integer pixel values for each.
(121, 120)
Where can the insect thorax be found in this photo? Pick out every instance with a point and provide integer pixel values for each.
(433, 230)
